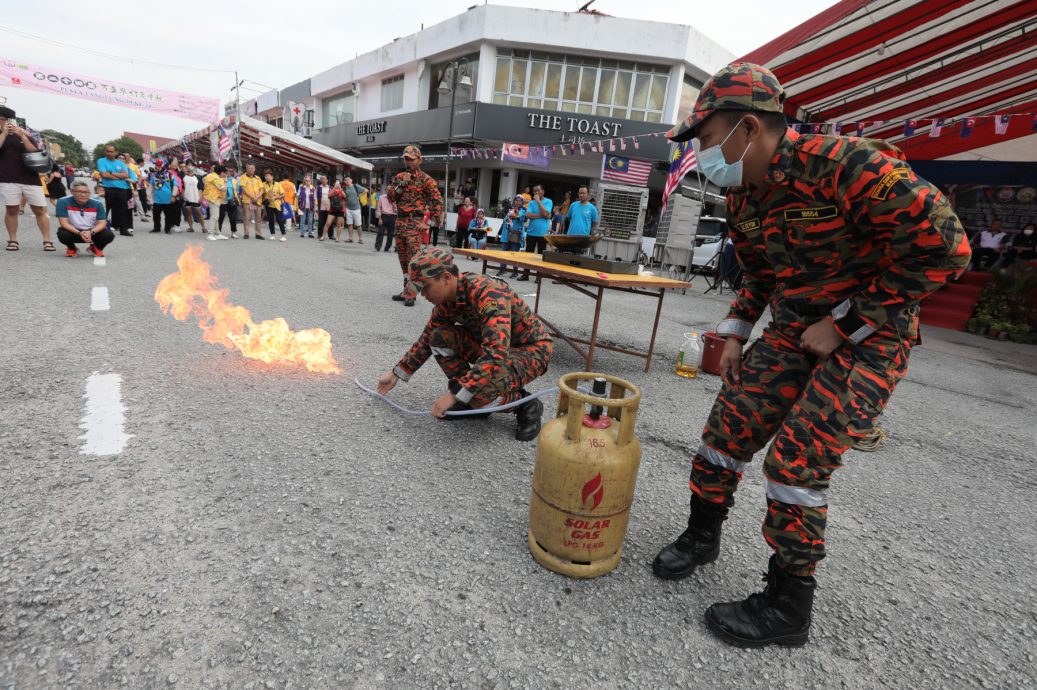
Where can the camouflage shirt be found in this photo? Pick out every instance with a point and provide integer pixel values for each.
(844, 224)
(493, 313)
(416, 195)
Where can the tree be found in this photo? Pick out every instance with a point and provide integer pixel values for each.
(71, 147)
(122, 145)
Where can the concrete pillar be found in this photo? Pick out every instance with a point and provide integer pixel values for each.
(483, 185)
(508, 184)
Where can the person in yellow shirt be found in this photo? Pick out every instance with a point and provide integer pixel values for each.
(274, 195)
(252, 191)
(214, 190)
(288, 187)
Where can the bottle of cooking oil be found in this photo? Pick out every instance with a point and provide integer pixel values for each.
(689, 357)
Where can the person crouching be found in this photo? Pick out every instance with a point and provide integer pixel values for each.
(484, 337)
(82, 218)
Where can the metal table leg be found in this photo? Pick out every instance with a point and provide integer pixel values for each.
(655, 329)
(594, 328)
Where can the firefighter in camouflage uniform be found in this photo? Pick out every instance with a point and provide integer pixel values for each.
(415, 194)
(840, 240)
(484, 337)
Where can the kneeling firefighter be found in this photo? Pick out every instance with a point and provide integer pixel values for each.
(484, 337)
(843, 240)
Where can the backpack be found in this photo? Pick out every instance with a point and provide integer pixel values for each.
(336, 202)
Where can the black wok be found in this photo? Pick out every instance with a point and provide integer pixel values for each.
(572, 241)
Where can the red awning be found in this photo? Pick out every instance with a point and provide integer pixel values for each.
(264, 144)
(893, 61)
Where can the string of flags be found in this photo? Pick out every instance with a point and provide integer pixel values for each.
(964, 125)
(613, 145)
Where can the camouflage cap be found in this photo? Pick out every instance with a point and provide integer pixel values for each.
(428, 263)
(411, 151)
(739, 86)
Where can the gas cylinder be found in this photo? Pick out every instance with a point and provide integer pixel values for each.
(712, 348)
(583, 482)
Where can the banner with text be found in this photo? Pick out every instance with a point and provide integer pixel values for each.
(61, 83)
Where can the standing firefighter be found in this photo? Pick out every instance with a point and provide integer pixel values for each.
(484, 338)
(415, 194)
(842, 240)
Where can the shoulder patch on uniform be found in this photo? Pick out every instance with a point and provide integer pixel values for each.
(747, 225)
(881, 190)
(819, 213)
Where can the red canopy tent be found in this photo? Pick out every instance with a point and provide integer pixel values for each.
(885, 62)
(264, 144)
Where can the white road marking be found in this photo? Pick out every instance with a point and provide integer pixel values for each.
(532, 294)
(104, 420)
(99, 299)
(99, 260)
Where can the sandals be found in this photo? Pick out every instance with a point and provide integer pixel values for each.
(12, 245)
(48, 246)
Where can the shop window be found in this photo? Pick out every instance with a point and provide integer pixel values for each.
(503, 76)
(465, 94)
(537, 74)
(392, 93)
(588, 77)
(518, 77)
(554, 80)
(338, 110)
(623, 81)
(641, 87)
(606, 85)
(657, 94)
(572, 83)
(689, 94)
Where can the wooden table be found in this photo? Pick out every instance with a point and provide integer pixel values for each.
(587, 282)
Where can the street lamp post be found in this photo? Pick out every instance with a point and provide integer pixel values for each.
(458, 76)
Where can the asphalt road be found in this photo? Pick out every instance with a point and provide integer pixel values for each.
(266, 527)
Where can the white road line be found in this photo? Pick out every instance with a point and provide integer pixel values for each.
(99, 260)
(99, 299)
(104, 420)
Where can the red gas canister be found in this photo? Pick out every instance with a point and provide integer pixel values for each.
(712, 348)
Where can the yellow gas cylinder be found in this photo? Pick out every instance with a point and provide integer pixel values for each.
(583, 483)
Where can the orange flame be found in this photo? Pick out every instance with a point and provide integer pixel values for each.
(194, 290)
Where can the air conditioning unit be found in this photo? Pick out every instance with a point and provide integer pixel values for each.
(621, 220)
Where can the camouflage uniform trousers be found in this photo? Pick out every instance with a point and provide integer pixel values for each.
(813, 409)
(456, 348)
(410, 234)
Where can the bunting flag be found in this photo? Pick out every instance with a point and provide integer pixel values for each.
(860, 128)
(837, 129)
(1001, 124)
(909, 127)
(185, 153)
(637, 144)
(225, 145)
(1034, 126)
(623, 144)
(625, 170)
(966, 127)
(682, 161)
(937, 127)
(612, 145)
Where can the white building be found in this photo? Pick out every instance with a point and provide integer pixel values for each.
(536, 77)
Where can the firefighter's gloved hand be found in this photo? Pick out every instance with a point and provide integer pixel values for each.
(821, 338)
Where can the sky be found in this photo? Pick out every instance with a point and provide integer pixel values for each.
(278, 48)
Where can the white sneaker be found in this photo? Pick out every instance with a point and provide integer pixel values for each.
(221, 236)
(284, 238)
(234, 235)
(215, 237)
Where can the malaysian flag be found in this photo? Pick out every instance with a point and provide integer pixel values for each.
(224, 145)
(625, 170)
(682, 161)
(185, 153)
(1001, 123)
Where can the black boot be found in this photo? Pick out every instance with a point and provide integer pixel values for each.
(698, 545)
(780, 614)
(528, 414)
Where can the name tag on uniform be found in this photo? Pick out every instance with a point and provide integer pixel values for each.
(748, 225)
(819, 213)
(881, 190)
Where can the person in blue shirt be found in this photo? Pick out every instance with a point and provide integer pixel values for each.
(513, 231)
(538, 213)
(115, 178)
(583, 215)
(163, 191)
(81, 218)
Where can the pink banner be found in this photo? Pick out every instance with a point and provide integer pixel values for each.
(61, 83)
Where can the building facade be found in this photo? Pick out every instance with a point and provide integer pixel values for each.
(515, 75)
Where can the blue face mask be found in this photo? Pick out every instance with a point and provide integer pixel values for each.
(712, 164)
